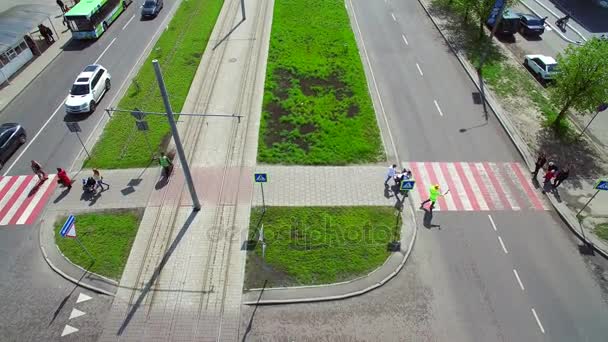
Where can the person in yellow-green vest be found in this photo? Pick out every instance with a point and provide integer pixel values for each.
(434, 193)
(166, 164)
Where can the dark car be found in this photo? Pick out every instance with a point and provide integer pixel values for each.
(151, 8)
(12, 136)
(531, 25)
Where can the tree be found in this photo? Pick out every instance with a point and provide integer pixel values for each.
(582, 83)
(480, 8)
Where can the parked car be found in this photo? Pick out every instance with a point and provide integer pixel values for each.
(508, 23)
(531, 25)
(88, 89)
(12, 135)
(151, 8)
(543, 67)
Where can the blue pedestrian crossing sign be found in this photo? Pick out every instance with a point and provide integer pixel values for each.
(69, 228)
(602, 185)
(407, 184)
(261, 177)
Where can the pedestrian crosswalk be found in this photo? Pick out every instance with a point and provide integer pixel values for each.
(479, 186)
(22, 198)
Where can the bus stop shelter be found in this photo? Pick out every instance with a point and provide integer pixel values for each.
(16, 25)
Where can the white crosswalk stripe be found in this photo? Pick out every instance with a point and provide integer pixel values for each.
(480, 186)
(22, 198)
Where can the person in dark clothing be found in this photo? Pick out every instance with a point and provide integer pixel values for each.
(562, 22)
(540, 162)
(46, 33)
(62, 6)
(562, 175)
(552, 167)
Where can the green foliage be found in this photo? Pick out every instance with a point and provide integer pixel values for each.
(601, 230)
(322, 245)
(107, 236)
(317, 108)
(582, 83)
(179, 51)
(481, 10)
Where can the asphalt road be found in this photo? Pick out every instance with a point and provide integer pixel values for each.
(460, 284)
(36, 302)
(39, 108)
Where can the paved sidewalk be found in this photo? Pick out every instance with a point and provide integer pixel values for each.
(584, 187)
(29, 72)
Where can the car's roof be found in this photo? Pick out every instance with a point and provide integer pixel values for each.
(86, 74)
(529, 16)
(544, 59)
(6, 126)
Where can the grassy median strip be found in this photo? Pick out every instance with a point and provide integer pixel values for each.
(317, 109)
(108, 236)
(319, 245)
(179, 51)
(601, 230)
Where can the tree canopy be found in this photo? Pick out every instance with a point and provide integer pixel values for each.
(582, 83)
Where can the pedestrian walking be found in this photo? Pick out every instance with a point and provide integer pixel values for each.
(62, 6)
(434, 193)
(552, 167)
(562, 22)
(561, 176)
(166, 164)
(392, 170)
(47, 33)
(38, 171)
(63, 178)
(540, 162)
(99, 183)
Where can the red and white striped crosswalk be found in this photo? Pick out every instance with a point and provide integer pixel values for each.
(22, 198)
(479, 186)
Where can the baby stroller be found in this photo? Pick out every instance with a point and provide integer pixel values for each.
(88, 185)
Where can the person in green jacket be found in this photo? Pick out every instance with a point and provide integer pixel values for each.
(434, 193)
(165, 163)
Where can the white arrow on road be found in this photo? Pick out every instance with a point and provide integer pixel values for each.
(82, 298)
(76, 313)
(68, 330)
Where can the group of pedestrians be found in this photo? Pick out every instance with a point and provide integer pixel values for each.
(92, 183)
(554, 176)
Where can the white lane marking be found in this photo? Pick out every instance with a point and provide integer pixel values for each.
(419, 70)
(492, 222)
(76, 313)
(405, 39)
(438, 109)
(540, 325)
(104, 50)
(460, 190)
(473, 182)
(374, 80)
(503, 245)
(11, 191)
(82, 298)
(521, 285)
(33, 139)
(392, 15)
(442, 180)
(68, 329)
(128, 22)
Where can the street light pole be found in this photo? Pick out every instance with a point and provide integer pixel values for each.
(178, 144)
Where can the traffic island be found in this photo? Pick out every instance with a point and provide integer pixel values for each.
(103, 240)
(317, 245)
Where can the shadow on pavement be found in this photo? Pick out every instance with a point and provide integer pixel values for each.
(589, 14)
(428, 218)
(157, 271)
(250, 324)
(65, 300)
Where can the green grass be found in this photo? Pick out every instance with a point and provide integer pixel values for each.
(319, 245)
(317, 109)
(179, 51)
(601, 230)
(108, 236)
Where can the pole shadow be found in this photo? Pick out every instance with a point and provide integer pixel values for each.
(157, 271)
(228, 34)
(250, 324)
(65, 299)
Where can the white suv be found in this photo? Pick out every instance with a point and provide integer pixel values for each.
(543, 67)
(90, 85)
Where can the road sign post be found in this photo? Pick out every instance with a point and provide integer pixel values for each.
(599, 109)
(69, 230)
(261, 178)
(74, 127)
(261, 239)
(601, 185)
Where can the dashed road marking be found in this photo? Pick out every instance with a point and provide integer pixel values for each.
(521, 285)
(504, 248)
(82, 298)
(419, 70)
(540, 325)
(392, 15)
(405, 39)
(76, 313)
(438, 109)
(68, 329)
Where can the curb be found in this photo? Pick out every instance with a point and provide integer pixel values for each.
(521, 147)
(72, 279)
(349, 294)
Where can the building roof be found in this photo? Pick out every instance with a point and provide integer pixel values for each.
(20, 20)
